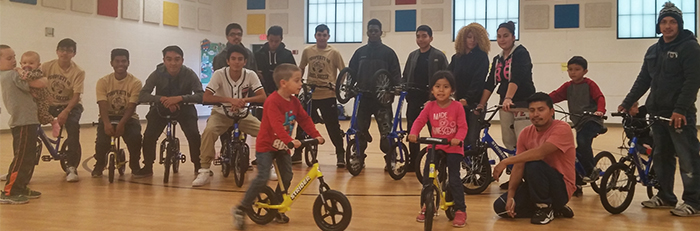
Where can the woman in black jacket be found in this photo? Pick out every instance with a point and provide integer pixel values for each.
(470, 65)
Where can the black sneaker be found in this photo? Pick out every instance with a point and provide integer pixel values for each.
(579, 191)
(543, 216)
(97, 172)
(340, 164)
(595, 174)
(504, 186)
(565, 212)
(144, 172)
(282, 218)
(255, 162)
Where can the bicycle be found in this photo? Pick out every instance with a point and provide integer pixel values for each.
(476, 167)
(345, 89)
(328, 205)
(170, 155)
(435, 193)
(397, 160)
(617, 185)
(116, 156)
(305, 97)
(602, 161)
(54, 152)
(235, 153)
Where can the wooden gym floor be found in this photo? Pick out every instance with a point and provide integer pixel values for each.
(378, 202)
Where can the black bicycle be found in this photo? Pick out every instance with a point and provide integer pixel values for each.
(235, 152)
(307, 90)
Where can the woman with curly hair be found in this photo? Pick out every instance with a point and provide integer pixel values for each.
(470, 65)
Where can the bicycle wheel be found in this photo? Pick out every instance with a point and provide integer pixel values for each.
(602, 161)
(354, 162)
(617, 188)
(177, 156)
(112, 167)
(332, 211)
(383, 87)
(478, 173)
(420, 164)
(63, 156)
(227, 160)
(240, 164)
(398, 166)
(121, 159)
(344, 84)
(430, 199)
(310, 154)
(263, 215)
(166, 164)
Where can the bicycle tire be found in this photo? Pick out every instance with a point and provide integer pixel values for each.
(121, 159)
(478, 177)
(398, 166)
(177, 156)
(343, 85)
(227, 160)
(429, 199)
(354, 163)
(241, 165)
(610, 185)
(310, 154)
(166, 164)
(600, 158)
(339, 204)
(163, 153)
(266, 196)
(420, 164)
(63, 156)
(383, 87)
(111, 167)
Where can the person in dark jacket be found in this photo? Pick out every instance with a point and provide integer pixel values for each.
(420, 66)
(672, 72)
(512, 71)
(366, 61)
(174, 84)
(270, 55)
(234, 35)
(470, 65)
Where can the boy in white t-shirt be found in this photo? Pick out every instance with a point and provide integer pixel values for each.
(230, 86)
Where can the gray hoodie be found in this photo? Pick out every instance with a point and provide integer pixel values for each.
(185, 84)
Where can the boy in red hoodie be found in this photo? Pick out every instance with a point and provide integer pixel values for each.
(281, 112)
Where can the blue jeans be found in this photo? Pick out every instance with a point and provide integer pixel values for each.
(455, 183)
(667, 145)
(543, 185)
(473, 125)
(264, 159)
(584, 142)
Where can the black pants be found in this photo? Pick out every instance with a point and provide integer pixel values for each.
(72, 128)
(413, 110)
(131, 137)
(383, 114)
(22, 167)
(154, 128)
(329, 113)
(543, 185)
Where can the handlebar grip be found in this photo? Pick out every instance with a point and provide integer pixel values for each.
(618, 114)
(311, 141)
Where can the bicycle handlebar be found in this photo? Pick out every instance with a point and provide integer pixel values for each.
(311, 141)
(584, 113)
(433, 140)
(228, 112)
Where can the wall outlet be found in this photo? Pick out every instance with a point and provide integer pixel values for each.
(48, 31)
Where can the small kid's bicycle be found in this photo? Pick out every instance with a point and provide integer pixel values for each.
(116, 158)
(52, 146)
(331, 210)
(170, 155)
(436, 192)
(617, 185)
(310, 151)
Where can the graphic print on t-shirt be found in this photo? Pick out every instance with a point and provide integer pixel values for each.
(318, 65)
(59, 88)
(446, 124)
(506, 70)
(118, 100)
(289, 122)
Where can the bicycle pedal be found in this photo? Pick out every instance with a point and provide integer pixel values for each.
(46, 158)
(183, 158)
(217, 162)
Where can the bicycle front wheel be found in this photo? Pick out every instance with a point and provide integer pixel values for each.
(121, 160)
(430, 204)
(354, 162)
(397, 162)
(332, 211)
(310, 154)
(240, 164)
(478, 174)
(112, 167)
(617, 188)
(227, 160)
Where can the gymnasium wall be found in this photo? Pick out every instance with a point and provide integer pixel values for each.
(23, 28)
(613, 63)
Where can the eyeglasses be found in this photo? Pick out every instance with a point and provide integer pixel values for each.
(235, 34)
(65, 50)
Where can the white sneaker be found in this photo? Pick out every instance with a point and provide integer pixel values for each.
(3, 177)
(273, 174)
(72, 175)
(202, 177)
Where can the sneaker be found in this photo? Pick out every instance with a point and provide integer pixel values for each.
(72, 175)
(144, 172)
(97, 172)
(281, 218)
(460, 219)
(238, 218)
(273, 174)
(31, 194)
(565, 212)
(340, 164)
(13, 199)
(685, 210)
(4, 177)
(202, 178)
(421, 216)
(254, 162)
(657, 203)
(505, 185)
(543, 216)
(579, 191)
(595, 174)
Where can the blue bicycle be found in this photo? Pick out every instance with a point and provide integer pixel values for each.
(234, 150)
(617, 185)
(397, 158)
(52, 146)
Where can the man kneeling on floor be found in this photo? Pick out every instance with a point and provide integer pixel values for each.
(543, 176)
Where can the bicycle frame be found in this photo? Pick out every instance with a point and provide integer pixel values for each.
(433, 175)
(48, 143)
(288, 199)
(352, 131)
(634, 157)
(397, 132)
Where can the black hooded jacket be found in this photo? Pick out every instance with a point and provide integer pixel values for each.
(267, 62)
(672, 71)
